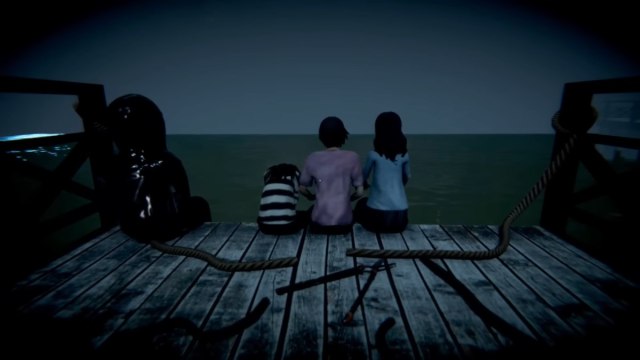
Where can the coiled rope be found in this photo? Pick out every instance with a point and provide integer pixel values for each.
(224, 265)
(503, 243)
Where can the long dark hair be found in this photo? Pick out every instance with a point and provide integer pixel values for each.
(389, 140)
(137, 123)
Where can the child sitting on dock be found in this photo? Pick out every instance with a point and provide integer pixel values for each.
(277, 214)
(386, 208)
(333, 172)
(154, 199)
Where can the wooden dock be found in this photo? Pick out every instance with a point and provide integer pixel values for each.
(114, 297)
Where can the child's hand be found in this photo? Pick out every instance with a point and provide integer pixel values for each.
(306, 193)
(358, 194)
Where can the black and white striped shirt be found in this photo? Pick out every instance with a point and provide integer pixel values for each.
(279, 196)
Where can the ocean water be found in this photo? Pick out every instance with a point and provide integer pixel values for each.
(456, 179)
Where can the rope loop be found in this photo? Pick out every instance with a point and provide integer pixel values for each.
(504, 233)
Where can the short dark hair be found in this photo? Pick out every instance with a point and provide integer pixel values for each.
(332, 132)
(280, 171)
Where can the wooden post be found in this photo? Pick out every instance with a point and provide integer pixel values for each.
(576, 116)
(91, 99)
(557, 199)
(101, 154)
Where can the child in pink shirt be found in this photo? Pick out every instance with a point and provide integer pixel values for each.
(334, 173)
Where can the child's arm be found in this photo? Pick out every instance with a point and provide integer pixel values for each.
(358, 194)
(306, 193)
(406, 172)
(305, 180)
(358, 178)
(366, 170)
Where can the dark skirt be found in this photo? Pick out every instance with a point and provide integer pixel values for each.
(329, 230)
(381, 221)
(316, 228)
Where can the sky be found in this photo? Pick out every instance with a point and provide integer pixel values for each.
(280, 67)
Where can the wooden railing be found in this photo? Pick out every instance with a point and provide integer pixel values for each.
(563, 202)
(26, 219)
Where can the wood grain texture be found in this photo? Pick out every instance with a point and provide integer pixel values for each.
(114, 297)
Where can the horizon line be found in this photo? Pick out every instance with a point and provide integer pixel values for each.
(38, 135)
(355, 134)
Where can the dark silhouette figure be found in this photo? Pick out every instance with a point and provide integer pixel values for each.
(151, 185)
(153, 195)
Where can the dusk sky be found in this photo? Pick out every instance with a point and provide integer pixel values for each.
(280, 67)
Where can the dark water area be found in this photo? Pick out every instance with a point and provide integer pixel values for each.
(456, 179)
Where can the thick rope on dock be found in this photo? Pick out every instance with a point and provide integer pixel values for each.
(224, 265)
(504, 234)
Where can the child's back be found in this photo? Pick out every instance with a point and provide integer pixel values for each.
(333, 172)
(277, 214)
(386, 207)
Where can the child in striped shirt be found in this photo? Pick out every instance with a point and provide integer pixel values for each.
(277, 214)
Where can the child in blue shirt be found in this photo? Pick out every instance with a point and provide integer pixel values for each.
(386, 208)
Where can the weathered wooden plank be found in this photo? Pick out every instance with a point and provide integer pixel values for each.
(167, 295)
(206, 292)
(119, 308)
(343, 340)
(75, 286)
(471, 333)
(425, 320)
(239, 294)
(108, 287)
(598, 273)
(64, 258)
(554, 290)
(563, 304)
(67, 269)
(569, 278)
(146, 331)
(380, 303)
(546, 324)
(481, 288)
(305, 332)
(260, 341)
(559, 246)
